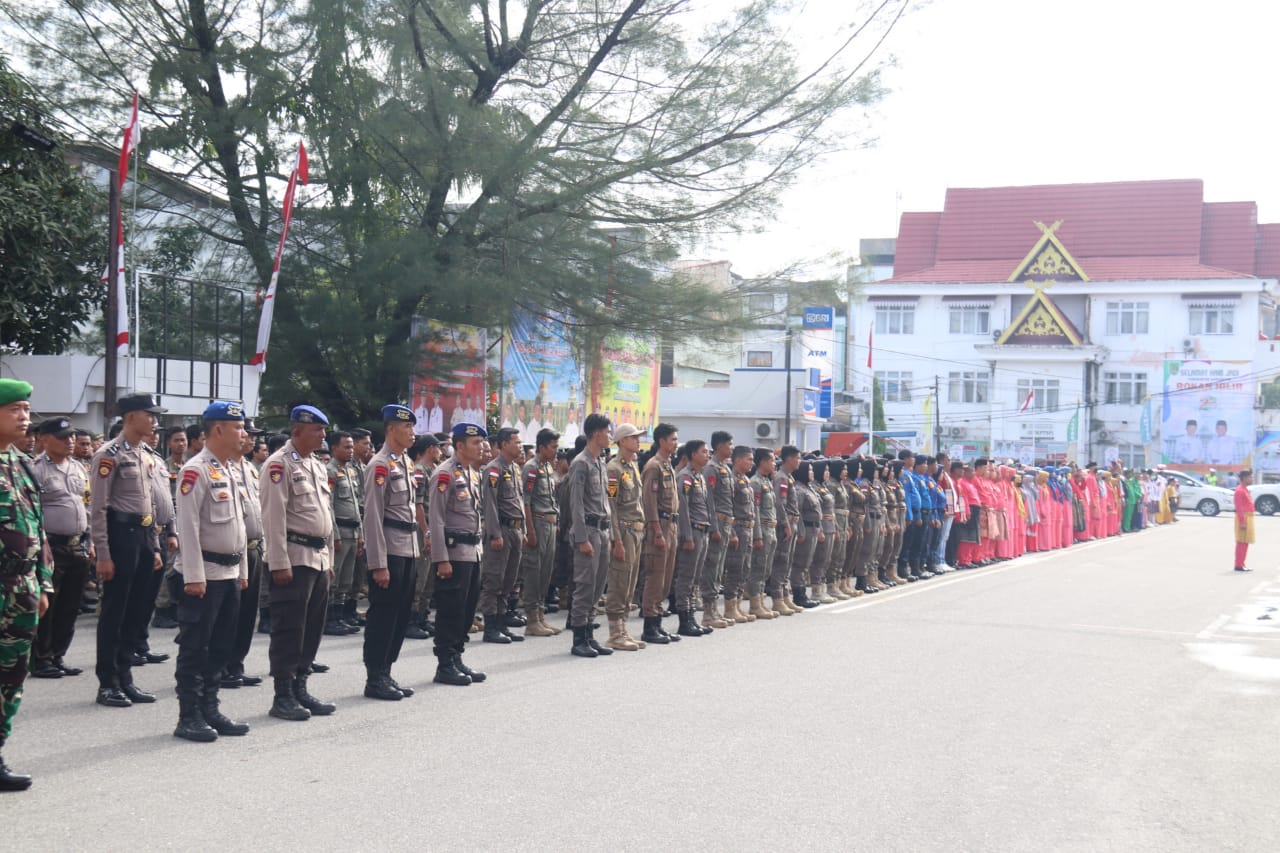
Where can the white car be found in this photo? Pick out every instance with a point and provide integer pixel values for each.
(1266, 498)
(1200, 496)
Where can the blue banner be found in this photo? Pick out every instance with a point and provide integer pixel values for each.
(540, 378)
(822, 317)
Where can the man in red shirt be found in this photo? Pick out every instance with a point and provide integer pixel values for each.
(1244, 520)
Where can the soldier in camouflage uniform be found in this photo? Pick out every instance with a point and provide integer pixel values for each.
(26, 578)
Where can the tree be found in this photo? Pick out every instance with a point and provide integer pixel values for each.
(877, 416)
(474, 156)
(52, 237)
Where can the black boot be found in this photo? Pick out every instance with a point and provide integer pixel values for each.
(800, 597)
(191, 722)
(404, 691)
(582, 643)
(674, 638)
(332, 626)
(311, 703)
(591, 641)
(164, 618)
(493, 630)
(264, 620)
(688, 626)
(476, 676)
(10, 781)
(378, 686)
(286, 706)
(349, 616)
(653, 633)
(414, 630)
(551, 604)
(447, 672)
(513, 618)
(221, 723)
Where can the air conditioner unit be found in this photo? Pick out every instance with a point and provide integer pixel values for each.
(996, 333)
(956, 432)
(1104, 435)
(766, 430)
(1188, 344)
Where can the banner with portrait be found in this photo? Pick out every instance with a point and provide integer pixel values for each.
(624, 381)
(448, 385)
(1206, 417)
(541, 380)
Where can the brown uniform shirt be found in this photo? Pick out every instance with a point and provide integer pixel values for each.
(295, 499)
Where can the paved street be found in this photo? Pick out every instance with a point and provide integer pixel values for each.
(1123, 695)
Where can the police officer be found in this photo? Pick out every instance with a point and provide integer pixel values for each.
(212, 570)
(766, 532)
(719, 476)
(125, 537)
(64, 492)
(248, 479)
(694, 521)
(790, 530)
(744, 538)
(661, 508)
(297, 521)
(542, 517)
(628, 532)
(26, 580)
(505, 531)
(347, 518)
(176, 445)
(453, 517)
(164, 486)
(391, 545)
(590, 525)
(425, 454)
(362, 452)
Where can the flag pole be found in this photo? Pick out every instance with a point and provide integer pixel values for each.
(109, 363)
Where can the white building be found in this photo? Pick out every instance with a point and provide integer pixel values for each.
(1082, 322)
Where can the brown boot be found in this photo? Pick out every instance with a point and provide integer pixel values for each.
(834, 590)
(742, 615)
(779, 605)
(535, 627)
(711, 617)
(542, 619)
(791, 601)
(618, 638)
(758, 610)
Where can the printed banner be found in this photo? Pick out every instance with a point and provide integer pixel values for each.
(624, 381)
(449, 386)
(1207, 413)
(540, 378)
(1266, 453)
(816, 343)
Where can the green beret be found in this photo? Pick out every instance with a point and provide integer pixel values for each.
(13, 390)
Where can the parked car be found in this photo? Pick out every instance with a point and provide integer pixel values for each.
(1266, 498)
(1200, 496)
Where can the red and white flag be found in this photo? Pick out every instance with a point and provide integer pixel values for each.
(870, 331)
(268, 299)
(132, 135)
(1026, 404)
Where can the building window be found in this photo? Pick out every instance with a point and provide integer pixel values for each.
(970, 320)
(1127, 318)
(968, 386)
(1212, 319)
(1044, 394)
(759, 358)
(895, 319)
(760, 304)
(1132, 455)
(895, 385)
(1125, 388)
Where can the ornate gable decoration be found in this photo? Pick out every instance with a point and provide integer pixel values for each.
(1048, 260)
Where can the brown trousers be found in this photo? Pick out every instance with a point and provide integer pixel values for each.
(660, 567)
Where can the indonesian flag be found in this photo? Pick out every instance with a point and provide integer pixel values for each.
(1026, 404)
(268, 299)
(132, 134)
(870, 331)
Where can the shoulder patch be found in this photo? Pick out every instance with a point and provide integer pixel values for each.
(687, 482)
(493, 477)
(104, 467)
(275, 472)
(379, 474)
(189, 478)
(531, 479)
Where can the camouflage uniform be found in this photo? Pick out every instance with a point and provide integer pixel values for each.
(25, 574)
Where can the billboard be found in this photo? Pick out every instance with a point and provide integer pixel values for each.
(448, 386)
(624, 381)
(1206, 416)
(541, 381)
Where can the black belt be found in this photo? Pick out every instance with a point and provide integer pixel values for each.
(316, 542)
(512, 521)
(453, 538)
(347, 522)
(220, 559)
(397, 524)
(70, 541)
(702, 528)
(812, 524)
(130, 518)
(600, 522)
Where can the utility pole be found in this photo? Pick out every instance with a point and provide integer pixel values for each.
(109, 366)
(786, 366)
(937, 418)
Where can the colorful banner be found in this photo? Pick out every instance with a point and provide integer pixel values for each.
(541, 383)
(1207, 414)
(1266, 453)
(449, 385)
(624, 381)
(816, 345)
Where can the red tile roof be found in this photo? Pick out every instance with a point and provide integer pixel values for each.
(1134, 230)
(1268, 250)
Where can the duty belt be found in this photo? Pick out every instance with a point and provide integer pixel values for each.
(221, 559)
(637, 526)
(842, 512)
(748, 523)
(397, 524)
(347, 522)
(454, 538)
(513, 522)
(253, 544)
(130, 518)
(600, 522)
(724, 516)
(702, 528)
(68, 541)
(316, 542)
(549, 518)
(812, 524)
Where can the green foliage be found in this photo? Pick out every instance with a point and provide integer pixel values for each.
(53, 235)
(877, 416)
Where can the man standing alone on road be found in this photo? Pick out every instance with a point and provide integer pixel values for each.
(1244, 519)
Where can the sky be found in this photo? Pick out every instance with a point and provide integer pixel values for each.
(1013, 92)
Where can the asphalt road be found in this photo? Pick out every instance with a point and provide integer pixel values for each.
(1122, 695)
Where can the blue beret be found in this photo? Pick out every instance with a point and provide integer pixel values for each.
(13, 390)
(307, 415)
(220, 410)
(396, 412)
(468, 430)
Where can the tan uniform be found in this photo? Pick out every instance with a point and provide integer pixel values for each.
(539, 492)
(348, 519)
(391, 543)
(64, 499)
(211, 522)
(628, 528)
(453, 517)
(661, 507)
(503, 519)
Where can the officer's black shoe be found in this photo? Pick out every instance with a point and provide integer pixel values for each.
(581, 644)
(137, 659)
(164, 618)
(515, 638)
(191, 722)
(230, 681)
(591, 640)
(264, 620)
(551, 604)
(47, 670)
(513, 619)
(378, 686)
(493, 631)
(332, 626)
(428, 627)
(675, 638)
(653, 633)
(447, 672)
(317, 667)
(10, 781)
(705, 629)
(311, 703)
(250, 680)
(113, 697)
(285, 706)
(138, 697)
(155, 657)
(67, 670)
(414, 631)
(476, 676)
(218, 721)
(405, 691)
(688, 628)
(799, 596)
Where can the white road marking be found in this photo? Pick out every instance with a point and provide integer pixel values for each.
(1214, 626)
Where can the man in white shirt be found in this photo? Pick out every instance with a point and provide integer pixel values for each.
(435, 418)
(1222, 447)
(1189, 447)
(424, 399)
